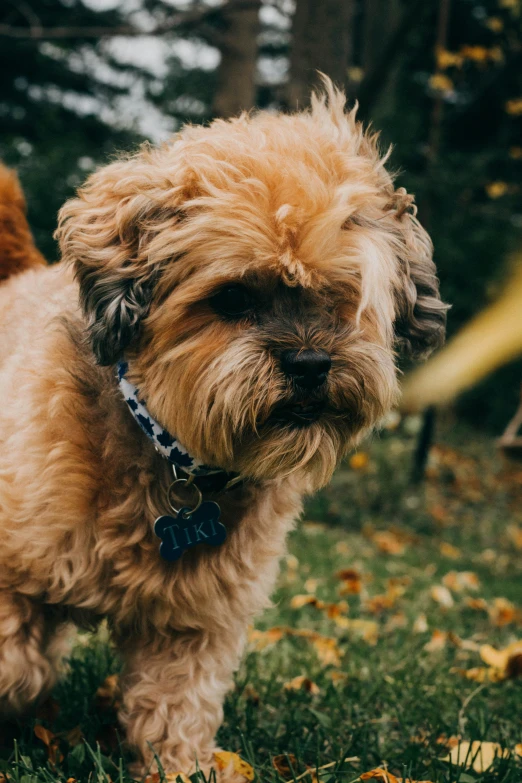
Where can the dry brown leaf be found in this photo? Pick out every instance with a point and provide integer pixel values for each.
(109, 696)
(351, 581)
(285, 764)
(51, 742)
(224, 759)
(442, 596)
(302, 683)
(479, 755)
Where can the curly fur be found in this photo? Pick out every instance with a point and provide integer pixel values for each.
(302, 210)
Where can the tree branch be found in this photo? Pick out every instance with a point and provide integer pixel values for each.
(180, 21)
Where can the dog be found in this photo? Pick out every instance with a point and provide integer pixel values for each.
(253, 281)
(17, 249)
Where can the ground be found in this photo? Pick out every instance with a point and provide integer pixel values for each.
(380, 651)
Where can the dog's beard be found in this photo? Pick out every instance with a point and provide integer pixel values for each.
(240, 413)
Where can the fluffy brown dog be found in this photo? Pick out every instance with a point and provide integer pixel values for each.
(259, 275)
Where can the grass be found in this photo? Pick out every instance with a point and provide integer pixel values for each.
(389, 689)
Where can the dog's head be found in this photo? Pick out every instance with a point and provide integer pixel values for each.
(259, 274)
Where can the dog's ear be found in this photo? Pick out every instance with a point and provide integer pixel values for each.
(108, 234)
(420, 323)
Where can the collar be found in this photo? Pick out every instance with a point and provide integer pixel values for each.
(209, 479)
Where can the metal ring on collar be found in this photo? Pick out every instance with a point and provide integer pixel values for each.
(199, 495)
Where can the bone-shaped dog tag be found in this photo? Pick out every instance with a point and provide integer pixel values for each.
(187, 529)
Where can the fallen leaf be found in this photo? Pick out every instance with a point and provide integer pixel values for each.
(479, 755)
(298, 601)
(437, 642)
(396, 622)
(327, 650)
(109, 696)
(351, 581)
(359, 461)
(262, 639)
(420, 624)
(311, 585)
(442, 596)
(479, 604)
(450, 551)
(461, 580)
(225, 758)
(177, 777)
(388, 542)
(507, 661)
(51, 742)
(302, 683)
(503, 612)
(381, 775)
(285, 764)
(336, 676)
(518, 749)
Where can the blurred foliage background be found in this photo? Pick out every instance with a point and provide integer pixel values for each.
(442, 79)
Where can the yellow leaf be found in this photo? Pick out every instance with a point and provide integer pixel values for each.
(262, 639)
(446, 59)
(302, 683)
(311, 585)
(177, 777)
(224, 758)
(450, 551)
(441, 83)
(380, 775)
(503, 612)
(359, 461)
(479, 755)
(495, 24)
(507, 661)
(514, 107)
(298, 601)
(389, 542)
(327, 651)
(518, 749)
(437, 642)
(442, 596)
(497, 189)
(336, 676)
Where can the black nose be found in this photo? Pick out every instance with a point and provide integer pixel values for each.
(307, 368)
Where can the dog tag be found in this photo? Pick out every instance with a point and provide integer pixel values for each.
(179, 532)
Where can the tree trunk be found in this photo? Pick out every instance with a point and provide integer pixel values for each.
(322, 41)
(236, 87)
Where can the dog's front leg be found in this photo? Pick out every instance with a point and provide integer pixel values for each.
(173, 692)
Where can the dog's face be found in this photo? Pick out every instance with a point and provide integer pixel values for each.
(259, 275)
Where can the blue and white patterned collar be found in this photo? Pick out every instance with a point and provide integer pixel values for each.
(163, 441)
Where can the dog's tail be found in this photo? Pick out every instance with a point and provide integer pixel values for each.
(17, 249)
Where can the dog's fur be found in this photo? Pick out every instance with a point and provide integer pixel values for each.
(301, 209)
(17, 249)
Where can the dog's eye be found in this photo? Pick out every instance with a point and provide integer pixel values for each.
(233, 301)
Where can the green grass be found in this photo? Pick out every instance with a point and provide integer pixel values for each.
(398, 700)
